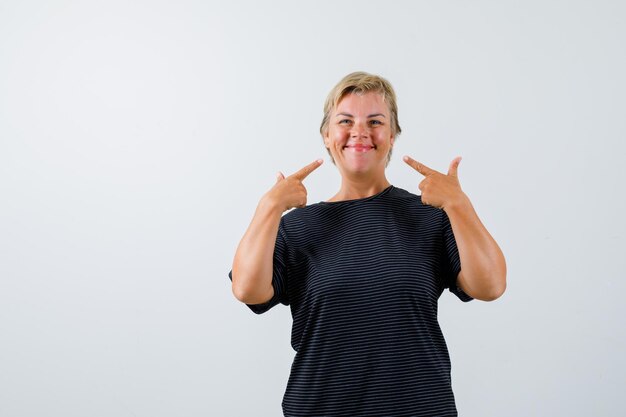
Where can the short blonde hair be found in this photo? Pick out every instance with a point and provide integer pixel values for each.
(360, 83)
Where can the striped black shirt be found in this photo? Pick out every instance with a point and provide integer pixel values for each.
(363, 278)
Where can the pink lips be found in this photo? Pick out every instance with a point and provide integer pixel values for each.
(360, 147)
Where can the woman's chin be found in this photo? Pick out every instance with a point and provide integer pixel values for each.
(358, 167)
(358, 163)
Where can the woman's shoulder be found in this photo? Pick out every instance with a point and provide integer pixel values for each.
(411, 200)
(398, 192)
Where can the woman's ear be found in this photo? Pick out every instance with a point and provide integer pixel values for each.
(326, 140)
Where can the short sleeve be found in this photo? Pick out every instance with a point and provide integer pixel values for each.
(450, 260)
(279, 275)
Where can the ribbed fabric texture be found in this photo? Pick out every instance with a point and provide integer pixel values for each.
(363, 278)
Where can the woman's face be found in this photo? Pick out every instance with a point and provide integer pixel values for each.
(359, 134)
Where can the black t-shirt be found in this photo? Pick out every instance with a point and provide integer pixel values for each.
(363, 278)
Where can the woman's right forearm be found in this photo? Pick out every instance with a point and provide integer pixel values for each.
(253, 263)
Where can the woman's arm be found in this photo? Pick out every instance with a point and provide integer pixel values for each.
(483, 268)
(253, 263)
(253, 266)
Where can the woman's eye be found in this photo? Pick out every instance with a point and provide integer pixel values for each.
(376, 122)
(344, 121)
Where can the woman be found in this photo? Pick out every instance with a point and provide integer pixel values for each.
(363, 271)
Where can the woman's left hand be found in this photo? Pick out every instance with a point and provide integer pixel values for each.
(439, 190)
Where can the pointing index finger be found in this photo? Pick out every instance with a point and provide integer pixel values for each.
(304, 172)
(419, 167)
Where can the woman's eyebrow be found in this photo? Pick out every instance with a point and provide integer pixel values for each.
(349, 115)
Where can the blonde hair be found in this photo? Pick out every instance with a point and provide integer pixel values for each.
(360, 83)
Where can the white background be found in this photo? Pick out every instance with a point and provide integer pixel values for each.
(136, 139)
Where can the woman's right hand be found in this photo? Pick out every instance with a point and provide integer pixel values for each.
(289, 192)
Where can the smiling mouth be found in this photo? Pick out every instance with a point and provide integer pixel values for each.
(360, 148)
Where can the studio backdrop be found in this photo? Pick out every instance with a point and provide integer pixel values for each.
(137, 138)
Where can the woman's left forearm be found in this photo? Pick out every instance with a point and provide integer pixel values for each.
(483, 268)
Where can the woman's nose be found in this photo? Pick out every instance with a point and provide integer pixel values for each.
(359, 129)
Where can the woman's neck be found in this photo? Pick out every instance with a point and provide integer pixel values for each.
(352, 189)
